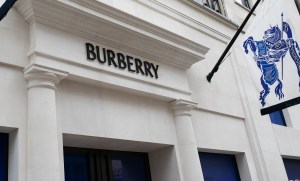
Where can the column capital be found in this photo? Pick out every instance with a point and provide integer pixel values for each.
(40, 76)
(182, 107)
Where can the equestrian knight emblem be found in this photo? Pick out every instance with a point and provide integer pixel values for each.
(269, 52)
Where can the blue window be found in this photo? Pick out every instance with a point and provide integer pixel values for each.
(292, 168)
(219, 167)
(3, 156)
(277, 118)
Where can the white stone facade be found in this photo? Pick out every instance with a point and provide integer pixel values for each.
(52, 96)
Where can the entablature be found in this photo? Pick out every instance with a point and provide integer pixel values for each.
(101, 23)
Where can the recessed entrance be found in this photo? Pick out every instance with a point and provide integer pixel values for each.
(104, 165)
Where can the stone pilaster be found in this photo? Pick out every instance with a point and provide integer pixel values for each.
(187, 147)
(44, 144)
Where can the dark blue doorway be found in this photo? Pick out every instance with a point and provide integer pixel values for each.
(104, 165)
(3, 156)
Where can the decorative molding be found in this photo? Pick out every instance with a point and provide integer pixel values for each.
(250, 122)
(25, 9)
(191, 22)
(234, 116)
(242, 6)
(97, 21)
(39, 76)
(67, 64)
(183, 107)
(219, 17)
(137, 22)
(13, 65)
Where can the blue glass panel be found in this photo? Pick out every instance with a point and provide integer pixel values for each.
(292, 168)
(3, 157)
(128, 167)
(76, 166)
(219, 167)
(277, 118)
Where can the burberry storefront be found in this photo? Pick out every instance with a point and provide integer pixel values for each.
(108, 90)
(106, 96)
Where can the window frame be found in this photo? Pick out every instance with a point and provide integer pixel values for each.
(208, 7)
(244, 3)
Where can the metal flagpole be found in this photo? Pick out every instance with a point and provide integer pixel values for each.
(216, 67)
(6, 7)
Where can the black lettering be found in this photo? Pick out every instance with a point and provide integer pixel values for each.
(155, 68)
(98, 55)
(90, 51)
(104, 54)
(111, 58)
(129, 63)
(147, 67)
(138, 66)
(121, 61)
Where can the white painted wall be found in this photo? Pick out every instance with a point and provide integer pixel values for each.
(94, 111)
(14, 33)
(164, 165)
(13, 118)
(288, 141)
(60, 49)
(219, 133)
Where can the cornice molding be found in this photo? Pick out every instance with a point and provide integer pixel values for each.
(102, 23)
(136, 22)
(25, 9)
(221, 18)
(39, 76)
(188, 21)
(153, 87)
(183, 107)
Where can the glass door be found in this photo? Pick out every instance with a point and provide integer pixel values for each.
(104, 165)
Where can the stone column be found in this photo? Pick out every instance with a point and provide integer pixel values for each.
(187, 147)
(43, 147)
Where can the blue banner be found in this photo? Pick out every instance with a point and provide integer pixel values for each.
(273, 54)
